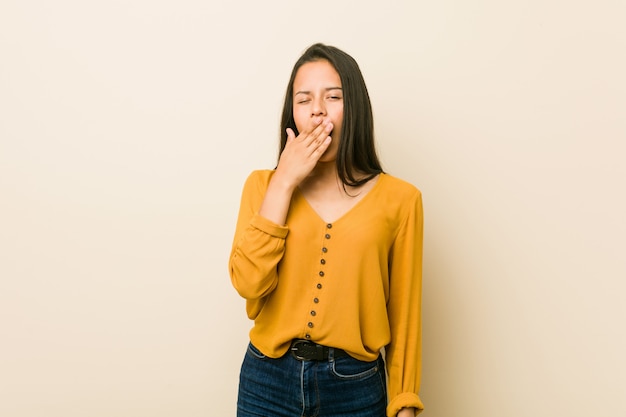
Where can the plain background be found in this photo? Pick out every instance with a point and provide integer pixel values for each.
(127, 129)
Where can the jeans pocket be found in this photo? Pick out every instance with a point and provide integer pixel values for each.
(255, 352)
(348, 368)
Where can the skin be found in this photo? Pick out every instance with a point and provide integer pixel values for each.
(406, 412)
(308, 160)
(318, 93)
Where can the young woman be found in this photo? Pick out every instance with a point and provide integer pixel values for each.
(328, 253)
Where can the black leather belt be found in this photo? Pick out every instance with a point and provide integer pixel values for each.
(305, 350)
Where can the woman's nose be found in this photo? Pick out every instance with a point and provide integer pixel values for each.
(318, 108)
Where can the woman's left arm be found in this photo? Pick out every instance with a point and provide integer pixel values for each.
(403, 354)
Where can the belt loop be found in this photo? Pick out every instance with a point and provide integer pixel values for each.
(331, 355)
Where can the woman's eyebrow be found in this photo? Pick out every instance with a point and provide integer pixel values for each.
(326, 89)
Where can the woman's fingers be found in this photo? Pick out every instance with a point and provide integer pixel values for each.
(317, 127)
(319, 151)
(301, 153)
(319, 135)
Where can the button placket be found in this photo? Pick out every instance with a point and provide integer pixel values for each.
(321, 274)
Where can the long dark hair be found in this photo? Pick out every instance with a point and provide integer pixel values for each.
(357, 152)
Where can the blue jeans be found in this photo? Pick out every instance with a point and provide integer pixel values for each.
(287, 387)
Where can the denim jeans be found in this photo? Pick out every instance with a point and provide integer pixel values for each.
(287, 387)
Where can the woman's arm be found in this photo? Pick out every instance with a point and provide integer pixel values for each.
(258, 245)
(259, 242)
(403, 354)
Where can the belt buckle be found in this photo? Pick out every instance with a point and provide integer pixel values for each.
(294, 349)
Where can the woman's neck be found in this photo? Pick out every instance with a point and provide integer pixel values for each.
(326, 177)
(324, 172)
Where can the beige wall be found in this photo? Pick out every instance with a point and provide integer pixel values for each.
(128, 127)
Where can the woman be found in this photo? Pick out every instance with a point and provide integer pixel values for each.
(327, 253)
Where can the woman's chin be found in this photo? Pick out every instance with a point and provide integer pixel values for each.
(327, 157)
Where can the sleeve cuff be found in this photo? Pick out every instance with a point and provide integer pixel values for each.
(404, 400)
(269, 227)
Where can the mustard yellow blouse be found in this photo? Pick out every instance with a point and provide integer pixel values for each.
(354, 284)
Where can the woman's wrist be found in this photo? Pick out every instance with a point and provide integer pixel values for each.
(406, 412)
(277, 199)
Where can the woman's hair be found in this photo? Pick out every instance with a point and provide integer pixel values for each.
(356, 153)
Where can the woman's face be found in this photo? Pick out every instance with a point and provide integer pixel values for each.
(317, 94)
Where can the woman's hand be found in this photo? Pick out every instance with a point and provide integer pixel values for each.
(296, 162)
(301, 153)
(406, 412)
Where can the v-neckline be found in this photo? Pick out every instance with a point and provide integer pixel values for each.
(347, 212)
